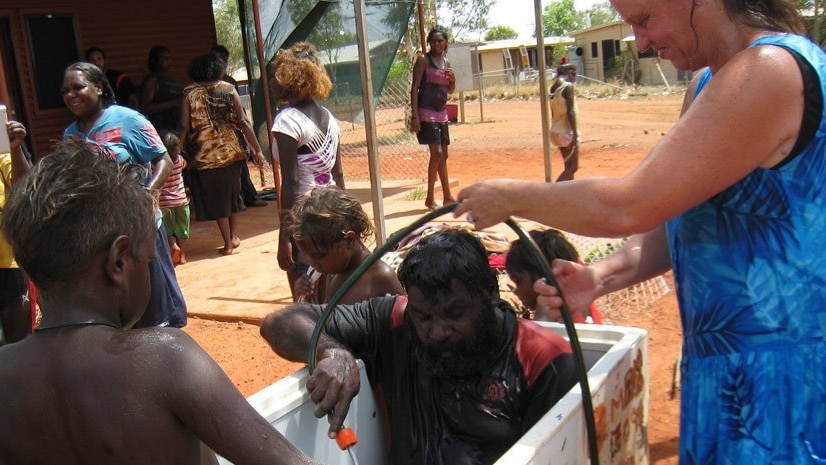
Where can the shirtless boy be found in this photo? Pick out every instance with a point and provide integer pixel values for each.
(331, 228)
(84, 389)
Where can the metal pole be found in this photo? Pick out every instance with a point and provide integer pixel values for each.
(420, 15)
(543, 89)
(662, 75)
(481, 98)
(462, 106)
(265, 87)
(370, 122)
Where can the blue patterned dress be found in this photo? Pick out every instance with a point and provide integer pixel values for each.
(750, 268)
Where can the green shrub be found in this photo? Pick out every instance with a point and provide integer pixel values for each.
(398, 74)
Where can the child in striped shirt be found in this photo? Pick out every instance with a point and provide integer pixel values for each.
(174, 202)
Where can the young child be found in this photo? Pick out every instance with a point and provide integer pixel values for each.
(524, 271)
(84, 388)
(330, 228)
(174, 202)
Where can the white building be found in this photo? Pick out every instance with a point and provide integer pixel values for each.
(608, 53)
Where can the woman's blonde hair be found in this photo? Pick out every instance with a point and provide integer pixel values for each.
(299, 75)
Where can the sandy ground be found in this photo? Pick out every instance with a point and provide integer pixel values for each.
(616, 134)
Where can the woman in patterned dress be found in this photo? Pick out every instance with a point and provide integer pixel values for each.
(215, 131)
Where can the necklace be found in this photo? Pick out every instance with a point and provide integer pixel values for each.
(83, 323)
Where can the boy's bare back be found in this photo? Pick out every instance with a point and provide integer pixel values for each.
(122, 396)
(84, 388)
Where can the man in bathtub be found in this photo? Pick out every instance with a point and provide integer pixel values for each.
(461, 377)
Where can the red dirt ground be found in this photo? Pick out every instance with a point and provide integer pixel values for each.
(616, 134)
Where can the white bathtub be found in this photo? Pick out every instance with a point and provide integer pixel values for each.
(616, 358)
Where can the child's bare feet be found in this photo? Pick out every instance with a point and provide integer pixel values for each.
(236, 242)
(183, 259)
(449, 200)
(176, 254)
(431, 204)
(225, 250)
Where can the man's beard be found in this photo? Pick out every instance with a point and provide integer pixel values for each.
(466, 357)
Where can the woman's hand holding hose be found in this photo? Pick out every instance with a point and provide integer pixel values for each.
(576, 285)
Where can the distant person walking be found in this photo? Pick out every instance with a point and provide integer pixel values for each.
(248, 192)
(433, 80)
(564, 132)
(173, 200)
(215, 131)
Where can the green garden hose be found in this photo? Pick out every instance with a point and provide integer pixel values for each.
(582, 372)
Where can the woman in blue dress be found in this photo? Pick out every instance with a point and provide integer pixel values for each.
(732, 200)
(125, 136)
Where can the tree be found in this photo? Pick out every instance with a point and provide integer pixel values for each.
(601, 13)
(501, 33)
(813, 12)
(467, 16)
(228, 31)
(331, 34)
(560, 17)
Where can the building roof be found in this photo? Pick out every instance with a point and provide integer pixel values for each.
(596, 28)
(350, 53)
(516, 43)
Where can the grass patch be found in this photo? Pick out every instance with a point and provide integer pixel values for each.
(417, 193)
(600, 253)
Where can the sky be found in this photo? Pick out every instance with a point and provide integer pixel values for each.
(519, 14)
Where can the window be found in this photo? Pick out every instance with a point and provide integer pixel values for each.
(594, 50)
(53, 44)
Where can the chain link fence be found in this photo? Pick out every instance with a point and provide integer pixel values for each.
(625, 302)
(400, 155)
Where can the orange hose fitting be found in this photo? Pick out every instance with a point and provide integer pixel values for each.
(346, 438)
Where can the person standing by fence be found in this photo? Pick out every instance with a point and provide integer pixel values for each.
(433, 80)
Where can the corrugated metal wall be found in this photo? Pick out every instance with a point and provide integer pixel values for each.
(125, 31)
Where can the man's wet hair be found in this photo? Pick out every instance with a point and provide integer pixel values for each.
(70, 208)
(438, 259)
